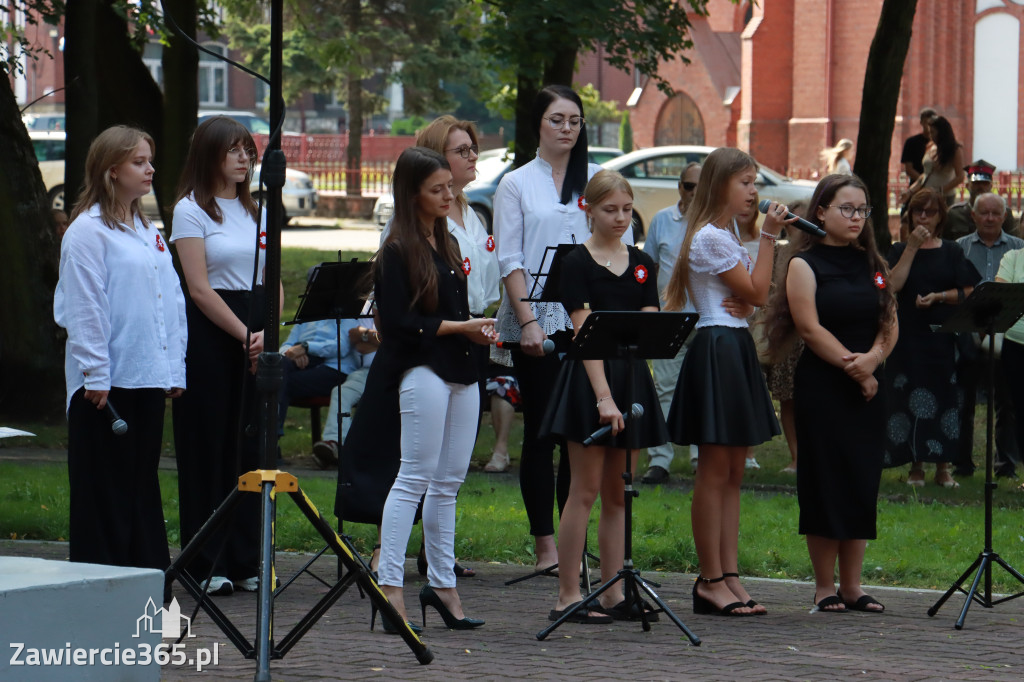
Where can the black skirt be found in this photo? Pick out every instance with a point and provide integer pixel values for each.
(721, 397)
(572, 411)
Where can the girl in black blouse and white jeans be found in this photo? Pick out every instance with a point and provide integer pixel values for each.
(426, 331)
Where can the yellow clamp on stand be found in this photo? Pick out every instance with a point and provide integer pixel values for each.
(253, 481)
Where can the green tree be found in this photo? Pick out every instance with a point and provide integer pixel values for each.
(625, 133)
(882, 79)
(538, 43)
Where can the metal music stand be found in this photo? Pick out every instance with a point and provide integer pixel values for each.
(992, 308)
(333, 292)
(631, 336)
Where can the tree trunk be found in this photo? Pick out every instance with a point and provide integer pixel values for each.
(180, 61)
(107, 84)
(878, 107)
(354, 150)
(31, 359)
(558, 70)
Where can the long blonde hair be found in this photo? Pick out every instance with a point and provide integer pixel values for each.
(601, 185)
(831, 155)
(111, 148)
(710, 201)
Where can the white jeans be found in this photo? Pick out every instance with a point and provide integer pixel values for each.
(348, 394)
(439, 422)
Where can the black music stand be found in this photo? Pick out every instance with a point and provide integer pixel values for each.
(332, 293)
(992, 308)
(631, 336)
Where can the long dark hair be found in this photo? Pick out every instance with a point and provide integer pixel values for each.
(202, 174)
(780, 327)
(944, 139)
(576, 172)
(412, 169)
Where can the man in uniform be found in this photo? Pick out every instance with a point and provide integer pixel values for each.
(960, 221)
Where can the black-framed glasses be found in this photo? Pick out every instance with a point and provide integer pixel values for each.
(238, 151)
(848, 211)
(689, 186)
(558, 121)
(465, 150)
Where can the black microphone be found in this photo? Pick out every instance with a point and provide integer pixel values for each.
(635, 412)
(806, 226)
(548, 346)
(117, 425)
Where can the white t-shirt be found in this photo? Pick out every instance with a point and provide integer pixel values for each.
(713, 252)
(230, 245)
(119, 298)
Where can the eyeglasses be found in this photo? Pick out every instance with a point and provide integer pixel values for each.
(925, 212)
(465, 150)
(688, 186)
(242, 151)
(558, 122)
(848, 211)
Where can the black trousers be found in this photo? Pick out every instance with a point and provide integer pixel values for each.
(215, 440)
(117, 517)
(972, 374)
(537, 481)
(1013, 376)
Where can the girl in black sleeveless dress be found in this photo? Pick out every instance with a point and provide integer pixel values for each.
(837, 298)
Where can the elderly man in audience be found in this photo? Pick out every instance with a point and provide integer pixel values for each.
(985, 247)
(960, 220)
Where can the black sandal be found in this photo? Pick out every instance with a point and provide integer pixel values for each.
(863, 603)
(831, 600)
(702, 605)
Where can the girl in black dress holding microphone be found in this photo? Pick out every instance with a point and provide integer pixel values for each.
(602, 274)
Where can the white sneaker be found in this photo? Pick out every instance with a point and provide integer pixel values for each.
(249, 584)
(693, 463)
(218, 586)
(752, 463)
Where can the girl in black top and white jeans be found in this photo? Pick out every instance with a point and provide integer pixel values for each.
(426, 332)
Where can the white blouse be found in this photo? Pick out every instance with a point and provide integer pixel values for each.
(230, 245)
(119, 299)
(713, 252)
(528, 218)
(479, 256)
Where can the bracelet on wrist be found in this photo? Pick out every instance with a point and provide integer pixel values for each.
(523, 325)
(601, 400)
(769, 237)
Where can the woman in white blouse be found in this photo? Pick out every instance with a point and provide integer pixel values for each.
(537, 206)
(119, 300)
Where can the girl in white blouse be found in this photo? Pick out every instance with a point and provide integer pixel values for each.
(537, 206)
(119, 300)
(721, 402)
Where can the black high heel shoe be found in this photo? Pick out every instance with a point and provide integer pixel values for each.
(386, 625)
(430, 598)
(706, 606)
(750, 602)
(460, 571)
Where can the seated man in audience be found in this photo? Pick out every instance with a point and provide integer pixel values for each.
(364, 341)
(314, 362)
(985, 247)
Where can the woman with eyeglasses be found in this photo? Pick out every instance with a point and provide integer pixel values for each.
(929, 276)
(833, 295)
(537, 206)
(220, 249)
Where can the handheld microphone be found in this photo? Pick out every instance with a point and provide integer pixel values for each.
(635, 412)
(117, 425)
(806, 226)
(548, 346)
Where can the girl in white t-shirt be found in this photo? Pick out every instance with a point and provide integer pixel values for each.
(721, 402)
(119, 300)
(220, 246)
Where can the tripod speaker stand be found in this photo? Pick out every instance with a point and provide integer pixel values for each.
(992, 308)
(631, 336)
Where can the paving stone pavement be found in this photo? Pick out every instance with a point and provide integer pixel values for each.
(789, 643)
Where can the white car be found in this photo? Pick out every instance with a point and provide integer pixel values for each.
(298, 194)
(654, 175)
